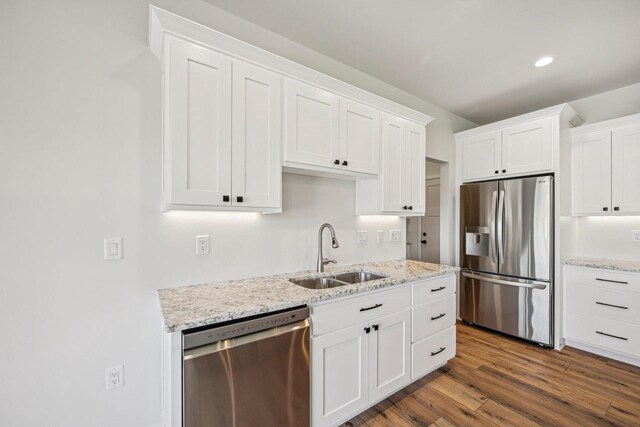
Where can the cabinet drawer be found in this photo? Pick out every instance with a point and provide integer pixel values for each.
(340, 314)
(433, 317)
(615, 305)
(430, 353)
(606, 279)
(605, 333)
(438, 287)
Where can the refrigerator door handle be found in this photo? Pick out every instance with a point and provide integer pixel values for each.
(492, 229)
(500, 225)
(531, 284)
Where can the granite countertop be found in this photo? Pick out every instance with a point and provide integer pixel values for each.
(608, 264)
(199, 305)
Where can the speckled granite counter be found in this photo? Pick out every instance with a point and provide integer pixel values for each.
(198, 305)
(608, 264)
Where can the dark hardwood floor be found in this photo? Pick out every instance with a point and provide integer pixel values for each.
(495, 380)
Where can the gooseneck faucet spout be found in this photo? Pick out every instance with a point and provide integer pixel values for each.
(334, 244)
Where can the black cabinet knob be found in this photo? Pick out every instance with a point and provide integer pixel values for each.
(240, 199)
(405, 208)
(367, 329)
(497, 171)
(605, 209)
(504, 171)
(225, 198)
(410, 208)
(617, 208)
(345, 163)
(336, 162)
(375, 327)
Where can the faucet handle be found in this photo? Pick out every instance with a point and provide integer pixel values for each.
(326, 261)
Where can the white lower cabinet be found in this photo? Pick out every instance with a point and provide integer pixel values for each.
(361, 349)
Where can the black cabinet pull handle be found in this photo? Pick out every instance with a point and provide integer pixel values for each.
(225, 198)
(345, 163)
(616, 208)
(612, 336)
(438, 289)
(612, 281)
(438, 317)
(605, 209)
(336, 162)
(371, 308)
(367, 329)
(612, 305)
(375, 327)
(433, 353)
(240, 199)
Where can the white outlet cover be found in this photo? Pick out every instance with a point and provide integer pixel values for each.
(114, 377)
(112, 248)
(635, 236)
(380, 237)
(362, 237)
(202, 244)
(394, 235)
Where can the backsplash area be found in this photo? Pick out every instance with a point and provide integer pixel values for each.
(607, 237)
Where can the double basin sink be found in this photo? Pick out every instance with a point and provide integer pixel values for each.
(337, 280)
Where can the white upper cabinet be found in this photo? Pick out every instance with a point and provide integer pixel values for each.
(481, 156)
(605, 175)
(625, 161)
(359, 137)
(414, 167)
(198, 126)
(312, 126)
(394, 157)
(526, 148)
(257, 174)
(591, 173)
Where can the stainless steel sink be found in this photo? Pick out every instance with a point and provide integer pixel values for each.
(337, 280)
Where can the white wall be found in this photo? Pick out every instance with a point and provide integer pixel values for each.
(80, 147)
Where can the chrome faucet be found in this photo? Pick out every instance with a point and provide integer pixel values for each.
(334, 244)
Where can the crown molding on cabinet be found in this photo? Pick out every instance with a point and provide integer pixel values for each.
(162, 22)
(606, 125)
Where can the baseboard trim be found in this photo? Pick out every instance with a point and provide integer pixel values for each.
(602, 352)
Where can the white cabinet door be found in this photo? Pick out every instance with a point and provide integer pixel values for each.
(359, 137)
(339, 375)
(257, 169)
(591, 173)
(625, 149)
(526, 148)
(311, 125)
(414, 167)
(393, 175)
(198, 126)
(390, 364)
(481, 156)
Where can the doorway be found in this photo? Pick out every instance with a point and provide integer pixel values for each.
(423, 233)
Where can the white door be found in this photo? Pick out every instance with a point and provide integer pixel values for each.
(625, 149)
(359, 137)
(257, 169)
(339, 375)
(198, 116)
(311, 125)
(430, 238)
(389, 368)
(526, 148)
(393, 175)
(591, 173)
(414, 167)
(481, 156)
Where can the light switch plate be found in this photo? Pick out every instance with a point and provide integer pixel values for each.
(112, 248)
(380, 237)
(362, 237)
(394, 235)
(635, 236)
(202, 244)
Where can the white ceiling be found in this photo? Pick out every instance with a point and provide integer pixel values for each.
(472, 57)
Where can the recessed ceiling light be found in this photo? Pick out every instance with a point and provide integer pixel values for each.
(544, 61)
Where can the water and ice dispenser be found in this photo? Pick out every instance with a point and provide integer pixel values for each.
(477, 241)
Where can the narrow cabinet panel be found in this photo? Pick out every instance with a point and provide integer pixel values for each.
(198, 126)
(415, 167)
(257, 136)
(393, 137)
(625, 170)
(359, 137)
(312, 125)
(591, 173)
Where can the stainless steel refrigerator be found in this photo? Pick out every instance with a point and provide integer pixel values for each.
(506, 255)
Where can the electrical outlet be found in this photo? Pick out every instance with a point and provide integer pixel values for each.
(112, 248)
(362, 237)
(202, 245)
(114, 377)
(635, 236)
(380, 237)
(394, 235)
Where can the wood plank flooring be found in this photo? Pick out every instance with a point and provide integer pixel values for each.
(496, 380)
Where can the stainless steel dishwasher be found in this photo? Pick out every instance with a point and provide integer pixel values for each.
(251, 372)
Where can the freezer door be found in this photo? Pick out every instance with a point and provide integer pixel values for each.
(525, 227)
(517, 307)
(478, 204)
